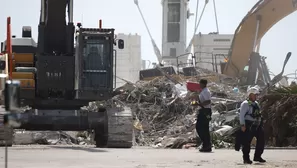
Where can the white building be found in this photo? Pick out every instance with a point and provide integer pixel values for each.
(143, 64)
(211, 48)
(128, 63)
(174, 28)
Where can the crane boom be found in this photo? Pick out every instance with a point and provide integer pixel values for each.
(155, 47)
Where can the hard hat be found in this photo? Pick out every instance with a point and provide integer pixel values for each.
(253, 90)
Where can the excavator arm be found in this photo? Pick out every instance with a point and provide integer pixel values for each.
(55, 34)
(252, 28)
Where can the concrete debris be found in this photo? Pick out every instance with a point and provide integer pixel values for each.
(165, 119)
(50, 138)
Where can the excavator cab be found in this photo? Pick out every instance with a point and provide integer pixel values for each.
(95, 56)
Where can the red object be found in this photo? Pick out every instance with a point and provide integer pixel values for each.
(9, 47)
(193, 86)
(100, 24)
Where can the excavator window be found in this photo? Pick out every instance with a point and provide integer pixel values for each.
(96, 58)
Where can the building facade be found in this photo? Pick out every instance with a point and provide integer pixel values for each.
(143, 64)
(128, 62)
(174, 29)
(211, 49)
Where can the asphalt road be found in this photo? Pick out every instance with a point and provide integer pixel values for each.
(90, 157)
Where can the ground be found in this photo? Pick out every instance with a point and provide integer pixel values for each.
(90, 157)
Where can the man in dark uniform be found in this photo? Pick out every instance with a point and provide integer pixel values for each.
(204, 116)
(251, 126)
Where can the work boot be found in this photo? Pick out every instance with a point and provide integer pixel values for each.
(205, 149)
(247, 160)
(259, 159)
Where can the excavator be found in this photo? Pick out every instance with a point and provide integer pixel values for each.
(69, 67)
(247, 37)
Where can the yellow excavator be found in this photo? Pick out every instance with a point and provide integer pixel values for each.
(248, 35)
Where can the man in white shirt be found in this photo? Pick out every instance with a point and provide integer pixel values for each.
(204, 117)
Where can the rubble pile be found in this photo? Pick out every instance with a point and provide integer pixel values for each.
(22, 137)
(164, 117)
(279, 110)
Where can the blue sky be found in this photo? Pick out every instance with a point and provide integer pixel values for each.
(124, 17)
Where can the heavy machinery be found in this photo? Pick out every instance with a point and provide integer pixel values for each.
(253, 27)
(65, 71)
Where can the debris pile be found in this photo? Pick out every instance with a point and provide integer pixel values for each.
(22, 137)
(279, 110)
(164, 117)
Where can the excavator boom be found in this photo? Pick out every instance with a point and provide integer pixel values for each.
(252, 28)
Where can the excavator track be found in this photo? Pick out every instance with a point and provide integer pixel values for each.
(120, 128)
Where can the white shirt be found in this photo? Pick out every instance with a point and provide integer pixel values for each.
(205, 95)
(246, 110)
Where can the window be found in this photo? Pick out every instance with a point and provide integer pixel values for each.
(174, 12)
(221, 49)
(95, 56)
(173, 32)
(173, 26)
(221, 40)
(172, 52)
(173, 1)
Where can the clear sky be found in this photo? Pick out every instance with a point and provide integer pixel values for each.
(124, 17)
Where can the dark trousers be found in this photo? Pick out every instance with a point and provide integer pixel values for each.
(202, 126)
(247, 137)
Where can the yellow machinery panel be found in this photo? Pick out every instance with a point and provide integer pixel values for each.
(27, 83)
(21, 58)
(22, 75)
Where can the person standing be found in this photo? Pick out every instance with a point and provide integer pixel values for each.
(204, 116)
(251, 122)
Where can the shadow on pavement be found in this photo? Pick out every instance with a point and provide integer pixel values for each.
(254, 163)
(87, 149)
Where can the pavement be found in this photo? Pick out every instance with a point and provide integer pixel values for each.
(90, 157)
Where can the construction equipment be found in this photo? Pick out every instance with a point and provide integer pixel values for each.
(58, 78)
(248, 35)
